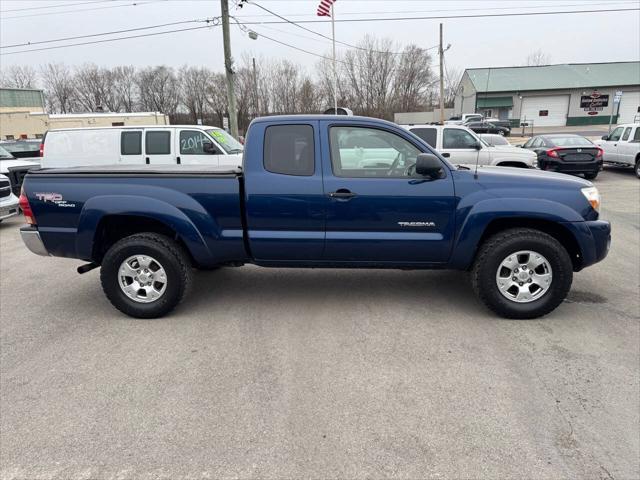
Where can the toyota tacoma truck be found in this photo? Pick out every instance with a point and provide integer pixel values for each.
(319, 191)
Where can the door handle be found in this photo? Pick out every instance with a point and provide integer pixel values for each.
(178, 160)
(147, 160)
(446, 155)
(342, 194)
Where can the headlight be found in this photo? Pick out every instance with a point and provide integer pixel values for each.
(593, 197)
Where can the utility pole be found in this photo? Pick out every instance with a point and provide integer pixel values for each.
(228, 66)
(441, 50)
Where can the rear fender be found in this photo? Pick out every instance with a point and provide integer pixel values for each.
(472, 221)
(96, 208)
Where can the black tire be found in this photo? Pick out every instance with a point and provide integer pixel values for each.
(498, 247)
(638, 168)
(171, 256)
(591, 176)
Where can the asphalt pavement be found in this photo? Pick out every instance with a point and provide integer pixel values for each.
(282, 373)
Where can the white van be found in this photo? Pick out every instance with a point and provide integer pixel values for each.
(153, 145)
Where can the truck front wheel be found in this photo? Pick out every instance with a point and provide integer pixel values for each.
(522, 273)
(145, 275)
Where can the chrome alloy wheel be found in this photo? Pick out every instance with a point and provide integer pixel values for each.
(142, 278)
(524, 276)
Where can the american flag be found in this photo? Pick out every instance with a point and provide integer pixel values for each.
(324, 9)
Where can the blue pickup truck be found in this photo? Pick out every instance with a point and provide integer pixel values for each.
(320, 191)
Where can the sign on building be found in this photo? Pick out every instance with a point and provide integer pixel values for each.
(594, 103)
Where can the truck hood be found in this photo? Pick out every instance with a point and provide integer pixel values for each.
(528, 177)
(513, 151)
(6, 164)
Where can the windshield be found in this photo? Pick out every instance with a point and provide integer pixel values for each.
(23, 147)
(226, 141)
(494, 140)
(571, 141)
(4, 153)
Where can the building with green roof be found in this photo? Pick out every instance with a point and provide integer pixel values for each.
(553, 95)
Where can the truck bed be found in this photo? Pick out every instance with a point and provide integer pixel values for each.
(202, 203)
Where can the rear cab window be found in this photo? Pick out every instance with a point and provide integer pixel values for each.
(289, 150)
(626, 133)
(636, 136)
(429, 135)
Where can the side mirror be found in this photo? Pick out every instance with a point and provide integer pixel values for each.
(208, 147)
(428, 165)
(520, 146)
(605, 137)
(477, 146)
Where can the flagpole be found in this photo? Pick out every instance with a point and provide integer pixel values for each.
(335, 71)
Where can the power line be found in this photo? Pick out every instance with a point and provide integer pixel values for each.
(133, 4)
(623, 2)
(108, 40)
(443, 17)
(54, 6)
(318, 33)
(108, 33)
(299, 49)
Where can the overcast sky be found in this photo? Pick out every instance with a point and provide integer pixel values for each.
(475, 42)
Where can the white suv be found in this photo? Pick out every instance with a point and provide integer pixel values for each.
(462, 146)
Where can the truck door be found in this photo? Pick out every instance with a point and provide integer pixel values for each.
(378, 210)
(610, 146)
(458, 145)
(157, 147)
(194, 147)
(627, 150)
(131, 147)
(285, 202)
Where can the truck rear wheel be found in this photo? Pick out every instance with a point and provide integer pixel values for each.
(522, 273)
(145, 275)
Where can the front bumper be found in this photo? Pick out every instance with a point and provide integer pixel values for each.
(601, 234)
(31, 238)
(9, 207)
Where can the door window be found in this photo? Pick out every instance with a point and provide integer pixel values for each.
(636, 136)
(289, 150)
(429, 135)
(626, 134)
(192, 143)
(158, 143)
(456, 138)
(131, 143)
(616, 134)
(358, 152)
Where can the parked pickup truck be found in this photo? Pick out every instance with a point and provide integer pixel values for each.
(319, 191)
(622, 146)
(461, 146)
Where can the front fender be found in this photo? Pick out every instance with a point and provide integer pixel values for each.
(472, 221)
(96, 208)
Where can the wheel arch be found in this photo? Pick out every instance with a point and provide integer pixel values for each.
(106, 219)
(491, 216)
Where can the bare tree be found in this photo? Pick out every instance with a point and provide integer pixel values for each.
(413, 79)
(59, 88)
(124, 87)
(451, 82)
(193, 87)
(94, 89)
(18, 76)
(159, 89)
(537, 58)
(216, 95)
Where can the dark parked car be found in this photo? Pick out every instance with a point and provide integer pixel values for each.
(567, 154)
(487, 127)
(22, 148)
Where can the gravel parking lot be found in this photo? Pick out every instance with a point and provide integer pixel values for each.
(322, 373)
